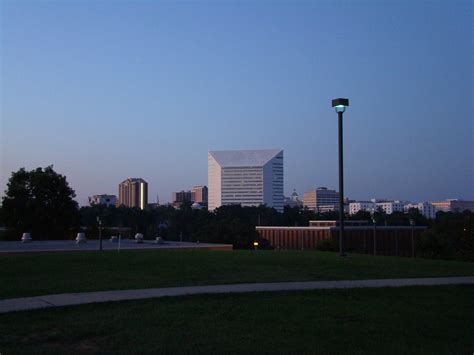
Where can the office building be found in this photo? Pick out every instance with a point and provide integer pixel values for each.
(453, 205)
(180, 197)
(199, 194)
(133, 192)
(105, 200)
(425, 208)
(245, 177)
(320, 196)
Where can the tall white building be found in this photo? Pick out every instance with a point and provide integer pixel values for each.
(245, 177)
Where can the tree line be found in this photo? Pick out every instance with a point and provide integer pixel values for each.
(41, 202)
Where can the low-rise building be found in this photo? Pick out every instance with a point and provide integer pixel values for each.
(105, 200)
(453, 205)
(425, 208)
(366, 206)
(386, 206)
(360, 237)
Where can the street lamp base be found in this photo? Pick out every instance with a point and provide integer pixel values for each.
(342, 254)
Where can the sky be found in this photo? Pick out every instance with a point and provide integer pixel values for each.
(106, 90)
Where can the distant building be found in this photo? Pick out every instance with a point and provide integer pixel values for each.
(321, 196)
(106, 200)
(388, 207)
(199, 194)
(425, 208)
(293, 200)
(180, 197)
(453, 205)
(245, 177)
(366, 206)
(133, 192)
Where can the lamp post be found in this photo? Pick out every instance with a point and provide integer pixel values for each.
(340, 106)
(100, 232)
(374, 221)
(412, 224)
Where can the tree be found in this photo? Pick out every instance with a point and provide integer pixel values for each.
(40, 201)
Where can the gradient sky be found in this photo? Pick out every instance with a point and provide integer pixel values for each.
(106, 90)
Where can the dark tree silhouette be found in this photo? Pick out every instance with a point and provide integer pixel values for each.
(40, 201)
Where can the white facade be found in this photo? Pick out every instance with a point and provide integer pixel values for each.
(425, 208)
(388, 207)
(245, 177)
(107, 200)
(355, 207)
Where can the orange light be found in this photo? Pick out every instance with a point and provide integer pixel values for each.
(255, 244)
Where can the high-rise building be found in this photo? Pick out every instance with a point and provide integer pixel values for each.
(199, 194)
(133, 192)
(320, 196)
(245, 177)
(106, 200)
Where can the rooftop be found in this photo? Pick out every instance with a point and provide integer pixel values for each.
(239, 158)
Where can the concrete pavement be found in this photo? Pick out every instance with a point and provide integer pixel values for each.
(70, 299)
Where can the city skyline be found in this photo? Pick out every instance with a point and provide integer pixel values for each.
(106, 91)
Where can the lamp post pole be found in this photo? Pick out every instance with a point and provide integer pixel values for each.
(341, 186)
(340, 106)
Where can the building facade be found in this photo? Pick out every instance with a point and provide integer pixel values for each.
(106, 200)
(425, 208)
(453, 205)
(133, 193)
(366, 206)
(245, 177)
(199, 194)
(177, 198)
(388, 207)
(359, 237)
(320, 196)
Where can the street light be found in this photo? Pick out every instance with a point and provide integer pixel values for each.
(340, 106)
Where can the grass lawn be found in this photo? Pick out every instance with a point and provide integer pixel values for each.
(31, 274)
(409, 320)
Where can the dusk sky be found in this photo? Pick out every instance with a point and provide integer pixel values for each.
(106, 90)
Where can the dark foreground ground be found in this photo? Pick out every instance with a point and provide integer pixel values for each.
(413, 320)
(33, 274)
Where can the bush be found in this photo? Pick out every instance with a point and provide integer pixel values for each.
(330, 244)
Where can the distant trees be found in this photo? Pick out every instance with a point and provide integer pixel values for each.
(39, 201)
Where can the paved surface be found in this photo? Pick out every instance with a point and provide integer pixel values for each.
(92, 245)
(69, 299)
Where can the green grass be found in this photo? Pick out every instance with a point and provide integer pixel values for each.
(410, 320)
(31, 274)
